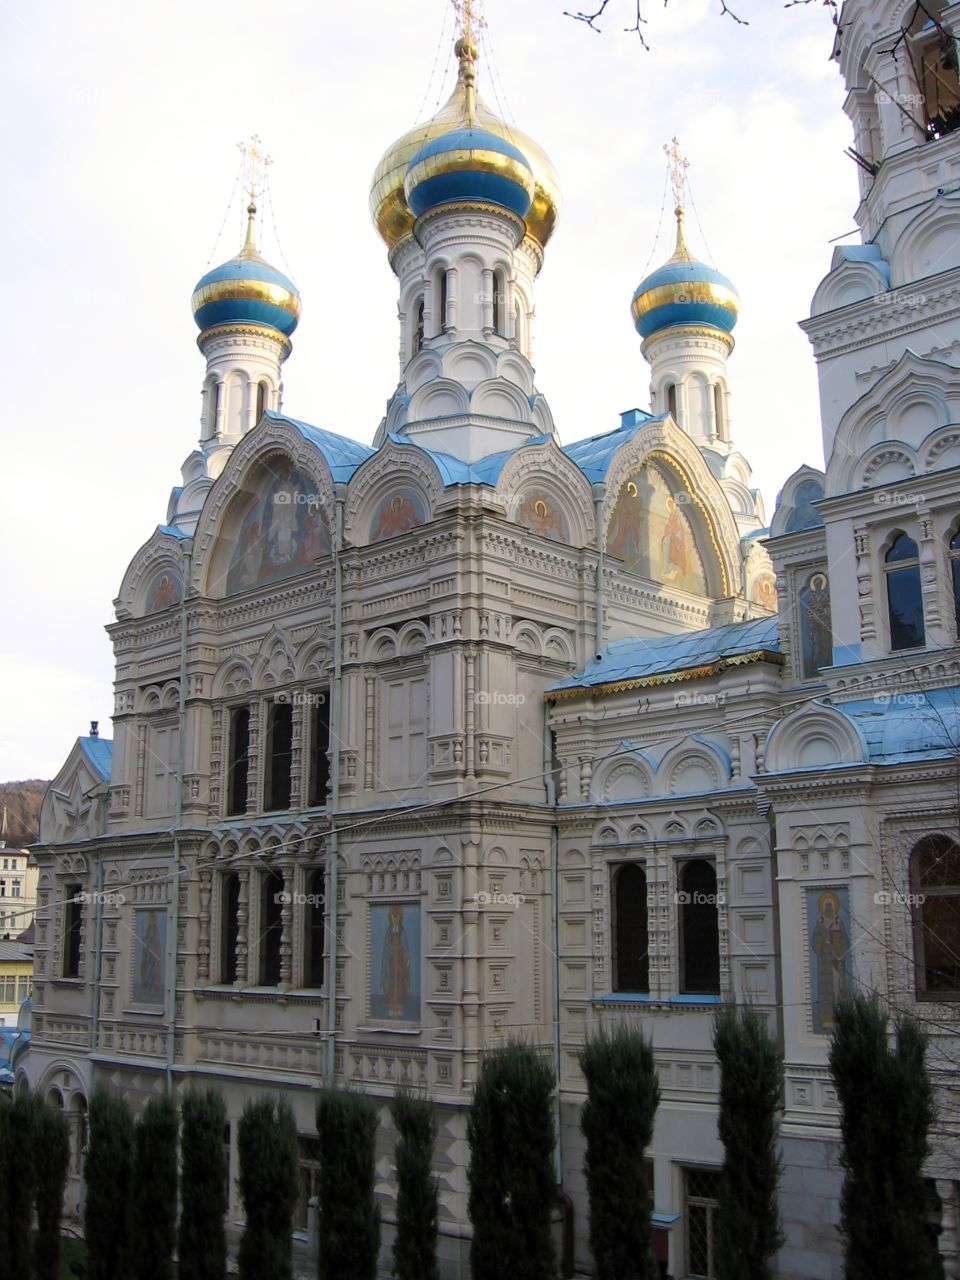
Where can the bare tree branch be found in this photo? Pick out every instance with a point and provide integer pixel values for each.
(591, 18)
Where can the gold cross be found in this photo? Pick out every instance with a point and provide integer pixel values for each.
(678, 167)
(256, 163)
(467, 19)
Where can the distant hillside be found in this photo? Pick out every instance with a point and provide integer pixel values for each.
(22, 802)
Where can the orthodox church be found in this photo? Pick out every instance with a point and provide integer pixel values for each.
(469, 734)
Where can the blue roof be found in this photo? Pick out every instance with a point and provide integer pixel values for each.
(172, 531)
(863, 253)
(900, 727)
(342, 455)
(638, 658)
(454, 471)
(99, 751)
(594, 454)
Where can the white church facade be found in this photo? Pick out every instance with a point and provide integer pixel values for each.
(467, 734)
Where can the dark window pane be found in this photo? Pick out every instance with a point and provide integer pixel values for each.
(905, 605)
(313, 931)
(940, 922)
(229, 926)
(904, 548)
(699, 930)
(319, 746)
(632, 962)
(72, 928)
(936, 861)
(279, 762)
(239, 760)
(271, 928)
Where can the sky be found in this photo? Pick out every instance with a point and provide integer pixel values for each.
(121, 155)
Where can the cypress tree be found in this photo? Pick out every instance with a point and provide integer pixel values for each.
(623, 1093)
(155, 1191)
(201, 1240)
(751, 1075)
(52, 1161)
(886, 1110)
(349, 1214)
(269, 1169)
(510, 1130)
(21, 1182)
(415, 1246)
(108, 1171)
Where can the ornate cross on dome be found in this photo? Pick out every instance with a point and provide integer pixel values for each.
(679, 165)
(256, 163)
(469, 21)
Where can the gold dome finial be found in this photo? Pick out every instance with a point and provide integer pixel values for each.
(466, 51)
(256, 163)
(679, 165)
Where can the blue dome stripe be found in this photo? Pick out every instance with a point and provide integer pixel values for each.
(246, 269)
(468, 140)
(489, 188)
(677, 313)
(245, 311)
(684, 273)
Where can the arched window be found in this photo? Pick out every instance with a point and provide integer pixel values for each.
(904, 596)
(499, 302)
(238, 766)
(816, 630)
(955, 575)
(271, 927)
(314, 930)
(934, 55)
(720, 416)
(417, 342)
(263, 396)
(631, 943)
(229, 926)
(213, 407)
(699, 929)
(672, 400)
(935, 880)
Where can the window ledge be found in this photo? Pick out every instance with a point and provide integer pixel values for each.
(676, 1002)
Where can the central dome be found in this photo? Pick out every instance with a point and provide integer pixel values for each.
(471, 165)
(388, 204)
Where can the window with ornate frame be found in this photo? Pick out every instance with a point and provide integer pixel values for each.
(904, 594)
(631, 939)
(935, 880)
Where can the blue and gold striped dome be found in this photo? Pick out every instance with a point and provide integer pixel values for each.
(246, 290)
(682, 292)
(469, 164)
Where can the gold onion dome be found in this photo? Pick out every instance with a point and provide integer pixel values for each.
(684, 291)
(246, 290)
(464, 109)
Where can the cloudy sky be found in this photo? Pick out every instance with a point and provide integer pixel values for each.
(121, 155)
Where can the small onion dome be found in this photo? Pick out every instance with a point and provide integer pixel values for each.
(684, 291)
(388, 206)
(246, 290)
(469, 165)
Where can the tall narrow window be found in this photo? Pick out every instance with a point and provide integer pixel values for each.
(314, 930)
(271, 927)
(239, 760)
(935, 877)
(229, 926)
(699, 929)
(632, 938)
(417, 327)
(263, 394)
(213, 407)
(719, 411)
(955, 576)
(72, 930)
(499, 300)
(279, 758)
(672, 400)
(442, 300)
(701, 1206)
(904, 595)
(319, 747)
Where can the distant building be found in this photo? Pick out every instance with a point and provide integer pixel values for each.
(16, 980)
(18, 890)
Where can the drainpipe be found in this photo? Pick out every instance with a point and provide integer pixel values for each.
(551, 789)
(177, 824)
(333, 799)
(598, 494)
(97, 955)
